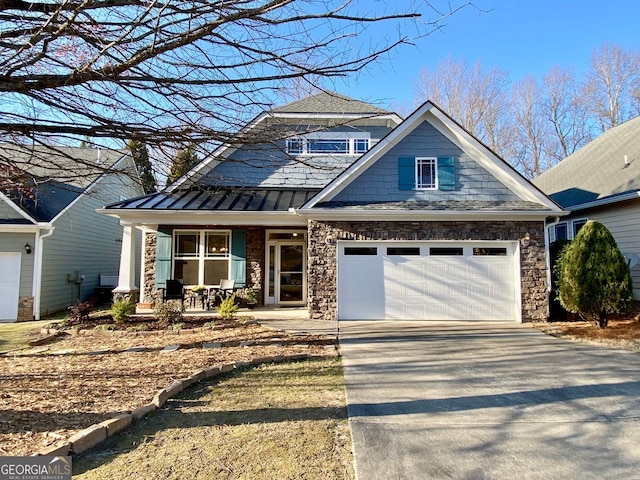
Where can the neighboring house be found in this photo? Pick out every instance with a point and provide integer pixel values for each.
(601, 181)
(356, 215)
(53, 243)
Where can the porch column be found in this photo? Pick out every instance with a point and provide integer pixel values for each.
(126, 274)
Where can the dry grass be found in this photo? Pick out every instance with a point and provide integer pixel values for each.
(18, 335)
(284, 421)
(51, 392)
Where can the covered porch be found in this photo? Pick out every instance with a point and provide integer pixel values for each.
(200, 238)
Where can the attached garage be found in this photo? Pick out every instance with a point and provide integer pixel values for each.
(9, 285)
(428, 281)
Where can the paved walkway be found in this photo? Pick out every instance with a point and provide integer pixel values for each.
(486, 401)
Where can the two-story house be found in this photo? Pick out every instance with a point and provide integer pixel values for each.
(355, 214)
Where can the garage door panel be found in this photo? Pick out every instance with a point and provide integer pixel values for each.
(9, 285)
(439, 287)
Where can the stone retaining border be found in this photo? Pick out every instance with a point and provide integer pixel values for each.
(96, 434)
(143, 333)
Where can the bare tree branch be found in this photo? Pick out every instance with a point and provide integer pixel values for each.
(178, 72)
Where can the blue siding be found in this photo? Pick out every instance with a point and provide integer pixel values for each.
(267, 165)
(381, 181)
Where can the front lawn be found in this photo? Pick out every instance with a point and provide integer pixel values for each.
(51, 392)
(284, 421)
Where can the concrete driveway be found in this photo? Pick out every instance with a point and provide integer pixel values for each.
(469, 400)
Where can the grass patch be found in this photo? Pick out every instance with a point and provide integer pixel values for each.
(284, 421)
(18, 335)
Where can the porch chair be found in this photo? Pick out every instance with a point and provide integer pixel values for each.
(174, 290)
(224, 290)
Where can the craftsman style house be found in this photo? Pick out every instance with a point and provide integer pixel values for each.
(355, 214)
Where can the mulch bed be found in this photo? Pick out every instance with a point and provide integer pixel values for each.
(50, 392)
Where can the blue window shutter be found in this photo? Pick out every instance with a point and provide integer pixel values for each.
(446, 173)
(406, 173)
(239, 257)
(163, 256)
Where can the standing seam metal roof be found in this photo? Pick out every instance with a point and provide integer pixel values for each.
(221, 200)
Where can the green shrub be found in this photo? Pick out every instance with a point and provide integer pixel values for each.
(594, 278)
(79, 312)
(121, 309)
(177, 326)
(228, 308)
(168, 313)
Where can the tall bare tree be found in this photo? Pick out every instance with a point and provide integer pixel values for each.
(176, 72)
(567, 110)
(473, 96)
(528, 148)
(612, 85)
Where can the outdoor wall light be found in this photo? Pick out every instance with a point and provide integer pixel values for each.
(526, 240)
(27, 248)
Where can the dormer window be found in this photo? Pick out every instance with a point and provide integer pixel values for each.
(329, 143)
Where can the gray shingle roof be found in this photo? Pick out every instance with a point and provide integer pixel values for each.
(56, 176)
(330, 102)
(221, 200)
(597, 170)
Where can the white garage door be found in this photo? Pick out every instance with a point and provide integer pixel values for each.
(428, 281)
(9, 286)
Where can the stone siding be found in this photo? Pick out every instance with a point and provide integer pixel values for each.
(150, 294)
(322, 255)
(25, 309)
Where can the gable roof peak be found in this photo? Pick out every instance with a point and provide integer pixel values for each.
(330, 102)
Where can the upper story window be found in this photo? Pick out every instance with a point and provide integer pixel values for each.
(329, 143)
(426, 173)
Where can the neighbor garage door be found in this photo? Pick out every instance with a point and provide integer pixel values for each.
(9, 286)
(427, 281)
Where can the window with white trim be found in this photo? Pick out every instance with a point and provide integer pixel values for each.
(561, 231)
(329, 143)
(426, 173)
(201, 257)
(577, 225)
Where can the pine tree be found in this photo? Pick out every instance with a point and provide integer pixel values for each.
(140, 156)
(594, 277)
(185, 160)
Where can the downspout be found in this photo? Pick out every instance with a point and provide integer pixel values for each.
(37, 270)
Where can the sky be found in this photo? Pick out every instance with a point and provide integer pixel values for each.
(524, 37)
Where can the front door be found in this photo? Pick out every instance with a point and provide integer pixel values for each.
(287, 270)
(290, 286)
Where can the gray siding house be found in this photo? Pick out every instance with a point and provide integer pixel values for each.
(355, 214)
(53, 243)
(601, 181)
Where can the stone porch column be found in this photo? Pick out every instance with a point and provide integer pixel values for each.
(126, 275)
